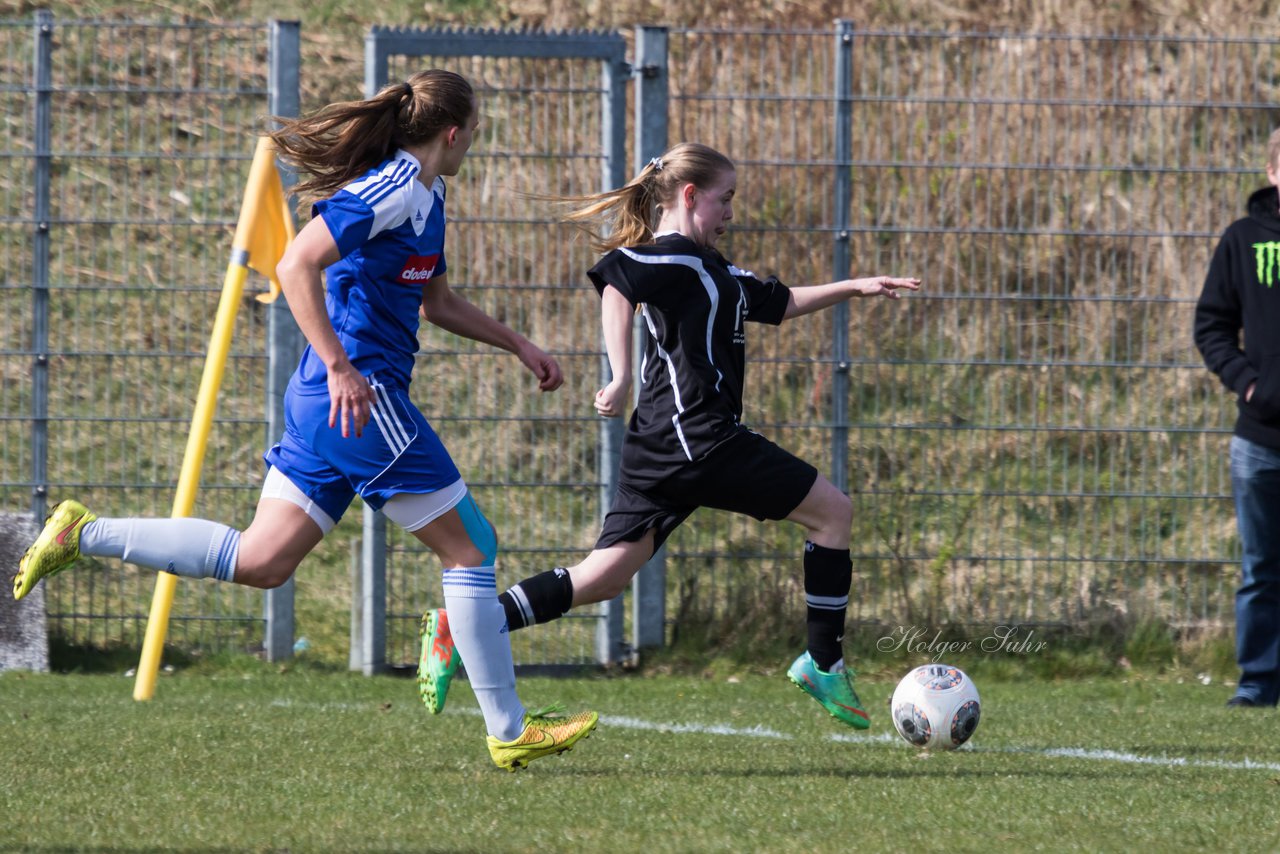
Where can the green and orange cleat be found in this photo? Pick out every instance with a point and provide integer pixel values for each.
(833, 690)
(546, 733)
(438, 661)
(57, 547)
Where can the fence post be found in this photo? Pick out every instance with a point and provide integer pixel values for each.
(370, 597)
(368, 652)
(649, 589)
(42, 169)
(610, 643)
(284, 339)
(840, 260)
(375, 63)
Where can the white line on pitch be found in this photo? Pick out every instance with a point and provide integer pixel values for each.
(1135, 759)
(885, 738)
(893, 739)
(701, 729)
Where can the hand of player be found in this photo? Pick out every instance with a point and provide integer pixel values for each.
(884, 286)
(611, 401)
(543, 366)
(350, 400)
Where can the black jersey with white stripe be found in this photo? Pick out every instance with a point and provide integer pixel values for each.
(694, 304)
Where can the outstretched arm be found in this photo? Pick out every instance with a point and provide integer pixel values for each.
(444, 308)
(616, 312)
(808, 299)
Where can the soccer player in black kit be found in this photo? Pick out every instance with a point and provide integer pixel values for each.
(685, 445)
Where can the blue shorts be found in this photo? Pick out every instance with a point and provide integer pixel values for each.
(397, 452)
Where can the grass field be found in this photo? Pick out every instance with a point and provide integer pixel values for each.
(253, 759)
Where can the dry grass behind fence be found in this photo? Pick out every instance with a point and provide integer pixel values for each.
(1031, 439)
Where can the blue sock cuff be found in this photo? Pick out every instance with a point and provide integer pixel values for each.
(221, 562)
(471, 582)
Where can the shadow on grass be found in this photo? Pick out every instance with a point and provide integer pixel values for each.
(893, 773)
(65, 657)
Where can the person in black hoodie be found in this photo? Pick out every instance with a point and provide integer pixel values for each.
(1242, 293)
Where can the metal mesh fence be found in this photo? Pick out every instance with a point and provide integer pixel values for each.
(150, 130)
(1031, 439)
(531, 459)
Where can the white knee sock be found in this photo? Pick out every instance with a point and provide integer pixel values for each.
(479, 627)
(194, 548)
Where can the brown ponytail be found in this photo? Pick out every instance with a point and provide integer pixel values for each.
(342, 141)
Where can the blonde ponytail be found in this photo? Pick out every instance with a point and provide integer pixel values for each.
(631, 211)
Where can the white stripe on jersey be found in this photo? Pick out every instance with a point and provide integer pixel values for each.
(713, 295)
(675, 385)
(395, 193)
(376, 187)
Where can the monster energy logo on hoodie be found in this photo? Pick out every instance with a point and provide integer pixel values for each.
(1267, 256)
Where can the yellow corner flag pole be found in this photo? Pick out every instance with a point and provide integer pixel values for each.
(263, 231)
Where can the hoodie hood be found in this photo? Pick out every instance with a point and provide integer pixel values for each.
(1264, 208)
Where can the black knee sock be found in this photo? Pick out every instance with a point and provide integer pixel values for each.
(540, 598)
(828, 573)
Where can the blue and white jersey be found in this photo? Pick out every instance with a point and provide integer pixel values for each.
(390, 232)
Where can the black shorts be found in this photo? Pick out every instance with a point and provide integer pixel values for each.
(745, 474)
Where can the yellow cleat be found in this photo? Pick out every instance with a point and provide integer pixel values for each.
(57, 547)
(545, 733)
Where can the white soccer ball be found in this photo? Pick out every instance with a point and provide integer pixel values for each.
(936, 707)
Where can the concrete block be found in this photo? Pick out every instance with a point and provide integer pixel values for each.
(24, 638)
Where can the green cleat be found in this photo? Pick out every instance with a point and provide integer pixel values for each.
(833, 690)
(438, 661)
(546, 732)
(57, 547)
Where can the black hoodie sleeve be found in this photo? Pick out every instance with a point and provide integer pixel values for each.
(1218, 322)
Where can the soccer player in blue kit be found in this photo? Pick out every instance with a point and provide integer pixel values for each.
(685, 445)
(357, 277)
